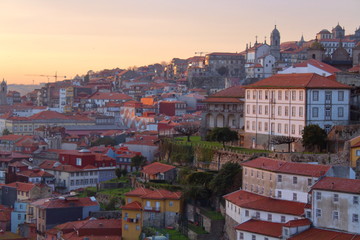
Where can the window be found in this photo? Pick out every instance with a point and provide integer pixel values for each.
(315, 112)
(318, 195)
(137, 228)
(253, 126)
(253, 237)
(355, 200)
(279, 178)
(293, 129)
(257, 215)
(286, 111)
(266, 128)
(78, 161)
(279, 110)
(336, 197)
(19, 216)
(252, 172)
(259, 126)
(355, 218)
(257, 174)
(279, 95)
(279, 194)
(246, 213)
(283, 219)
(286, 129)
(286, 95)
(241, 236)
(308, 214)
(294, 196)
(248, 109)
(340, 112)
(315, 95)
(286, 231)
(293, 95)
(269, 217)
(309, 181)
(335, 215)
(266, 94)
(301, 128)
(254, 94)
(247, 125)
(266, 110)
(260, 94)
(254, 109)
(293, 111)
(341, 96)
(301, 95)
(260, 109)
(318, 212)
(248, 94)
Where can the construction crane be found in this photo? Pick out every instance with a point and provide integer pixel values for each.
(200, 53)
(48, 76)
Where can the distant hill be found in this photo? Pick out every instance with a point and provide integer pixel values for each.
(22, 88)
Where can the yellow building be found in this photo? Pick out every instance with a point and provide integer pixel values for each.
(355, 151)
(159, 208)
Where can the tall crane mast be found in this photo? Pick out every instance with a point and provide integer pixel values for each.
(48, 76)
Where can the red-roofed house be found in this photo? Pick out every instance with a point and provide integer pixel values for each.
(224, 109)
(336, 204)
(282, 105)
(158, 171)
(311, 66)
(280, 179)
(144, 207)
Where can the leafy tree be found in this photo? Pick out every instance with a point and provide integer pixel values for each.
(188, 129)
(124, 172)
(314, 137)
(6, 132)
(224, 182)
(118, 172)
(104, 141)
(200, 178)
(138, 161)
(223, 71)
(222, 135)
(278, 140)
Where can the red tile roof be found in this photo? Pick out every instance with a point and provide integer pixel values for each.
(11, 137)
(261, 227)
(338, 185)
(65, 202)
(21, 186)
(222, 100)
(34, 173)
(274, 165)
(298, 223)
(298, 80)
(323, 66)
(156, 194)
(110, 96)
(132, 206)
(156, 167)
(235, 92)
(249, 200)
(321, 234)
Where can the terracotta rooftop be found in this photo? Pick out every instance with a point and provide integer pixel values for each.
(274, 165)
(298, 223)
(132, 206)
(65, 202)
(298, 80)
(156, 167)
(323, 66)
(335, 184)
(110, 96)
(261, 227)
(156, 194)
(21, 186)
(232, 92)
(321, 234)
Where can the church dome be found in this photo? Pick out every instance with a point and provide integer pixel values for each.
(317, 46)
(324, 31)
(338, 28)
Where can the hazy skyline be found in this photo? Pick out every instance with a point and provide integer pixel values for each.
(72, 37)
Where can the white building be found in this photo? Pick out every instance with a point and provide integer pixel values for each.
(311, 66)
(336, 204)
(284, 104)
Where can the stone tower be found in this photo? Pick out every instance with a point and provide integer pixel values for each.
(275, 44)
(316, 51)
(3, 92)
(356, 54)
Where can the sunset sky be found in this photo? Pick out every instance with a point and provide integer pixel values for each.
(74, 36)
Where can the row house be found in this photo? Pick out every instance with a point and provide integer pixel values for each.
(28, 125)
(46, 213)
(8, 158)
(147, 208)
(282, 180)
(224, 109)
(99, 99)
(158, 171)
(282, 105)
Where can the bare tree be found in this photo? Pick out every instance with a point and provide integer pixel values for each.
(188, 129)
(278, 140)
